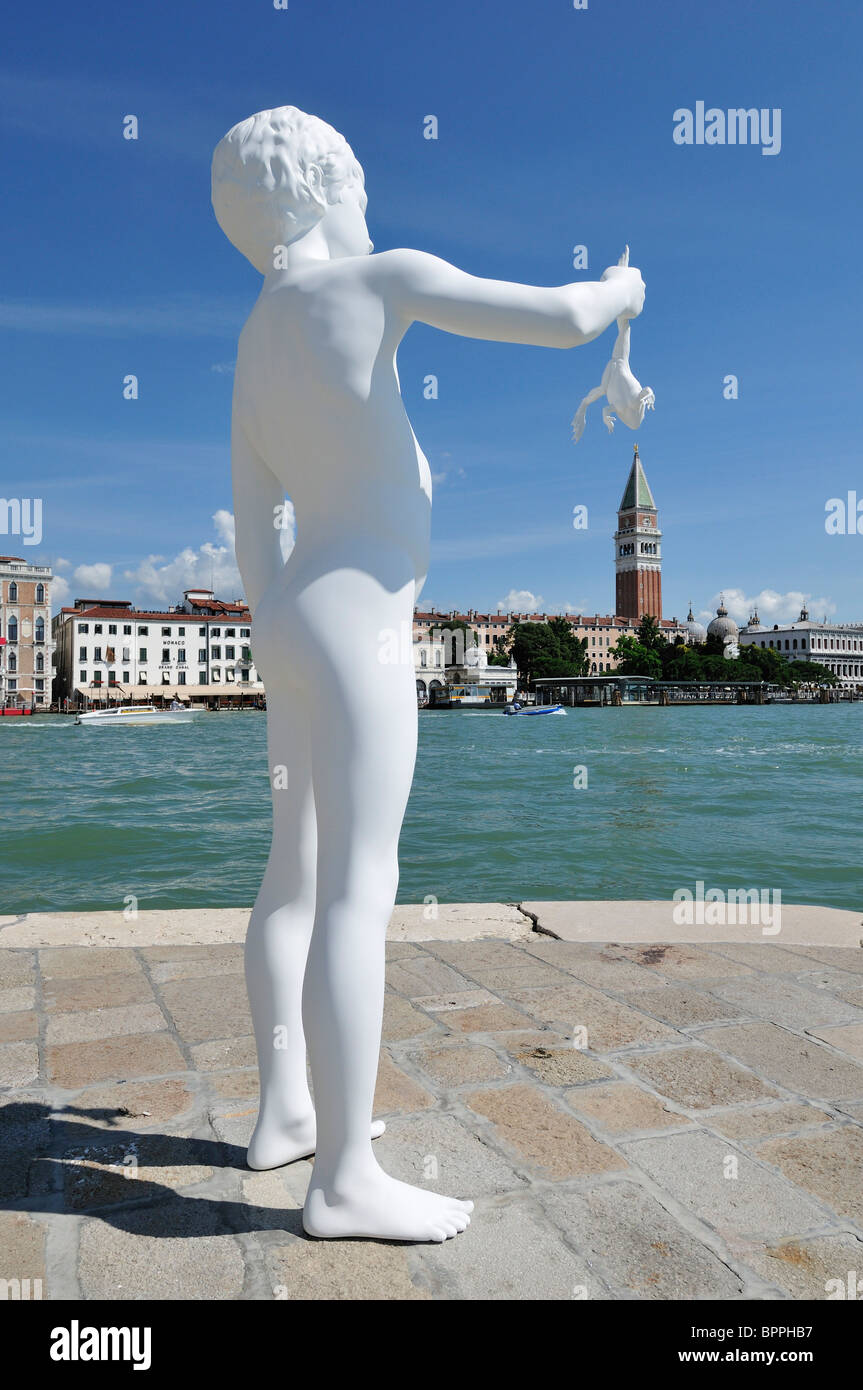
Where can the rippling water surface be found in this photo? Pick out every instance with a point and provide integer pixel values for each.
(180, 817)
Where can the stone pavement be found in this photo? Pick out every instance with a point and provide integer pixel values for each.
(633, 1121)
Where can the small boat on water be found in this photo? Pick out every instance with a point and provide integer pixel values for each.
(138, 714)
(516, 708)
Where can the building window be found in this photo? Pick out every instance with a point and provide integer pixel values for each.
(40, 662)
(82, 677)
(97, 627)
(83, 627)
(126, 653)
(112, 677)
(245, 632)
(202, 678)
(202, 632)
(181, 678)
(112, 629)
(127, 629)
(229, 653)
(12, 629)
(13, 592)
(82, 653)
(216, 653)
(143, 632)
(39, 630)
(40, 593)
(216, 677)
(165, 678)
(230, 632)
(216, 632)
(97, 653)
(13, 662)
(181, 632)
(125, 677)
(166, 632)
(166, 655)
(202, 653)
(12, 687)
(97, 677)
(181, 653)
(142, 653)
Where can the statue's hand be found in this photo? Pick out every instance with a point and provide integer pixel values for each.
(630, 281)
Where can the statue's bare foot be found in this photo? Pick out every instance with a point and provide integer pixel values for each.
(274, 1145)
(382, 1208)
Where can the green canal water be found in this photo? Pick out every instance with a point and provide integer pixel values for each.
(765, 797)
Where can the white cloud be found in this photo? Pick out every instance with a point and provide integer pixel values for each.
(159, 581)
(772, 606)
(520, 601)
(184, 316)
(222, 368)
(61, 564)
(96, 579)
(59, 590)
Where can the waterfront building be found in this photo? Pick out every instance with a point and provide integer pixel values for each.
(26, 643)
(838, 646)
(599, 631)
(638, 549)
(200, 649)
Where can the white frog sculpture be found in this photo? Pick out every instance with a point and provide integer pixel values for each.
(626, 397)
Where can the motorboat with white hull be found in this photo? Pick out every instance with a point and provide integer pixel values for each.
(137, 714)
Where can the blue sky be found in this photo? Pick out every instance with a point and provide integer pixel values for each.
(555, 130)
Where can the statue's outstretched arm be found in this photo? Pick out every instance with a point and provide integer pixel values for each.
(429, 290)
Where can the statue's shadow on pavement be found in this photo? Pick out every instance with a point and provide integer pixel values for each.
(81, 1169)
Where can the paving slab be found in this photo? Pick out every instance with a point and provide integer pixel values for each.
(785, 1001)
(698, 1078)
(483, 1259)
(681, 1006)
(446, 1154)
(824, 1267)
(176, 1250)
(848, 1038)
(22, 1256)
(603, 1024)
(641, 1251)
(722, 1186)
(620, 1108)
(676, 961)
(750, 1123)
(827, 1163)
(552, 1141)
(800, 1064)
(335, 1270)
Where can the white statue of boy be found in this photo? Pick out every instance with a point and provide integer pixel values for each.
(317, 415)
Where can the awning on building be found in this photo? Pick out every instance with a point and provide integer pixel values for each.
(135, 693)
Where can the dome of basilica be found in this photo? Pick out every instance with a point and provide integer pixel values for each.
(722, 626)
(697, 631)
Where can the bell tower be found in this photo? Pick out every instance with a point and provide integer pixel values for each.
(638, 550)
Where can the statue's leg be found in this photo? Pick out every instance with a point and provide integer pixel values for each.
(278, 938)
(363, 722)
(580, 415)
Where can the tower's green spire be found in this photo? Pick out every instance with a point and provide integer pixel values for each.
(637, 493)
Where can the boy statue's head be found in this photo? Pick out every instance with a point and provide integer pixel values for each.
(275, 175)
